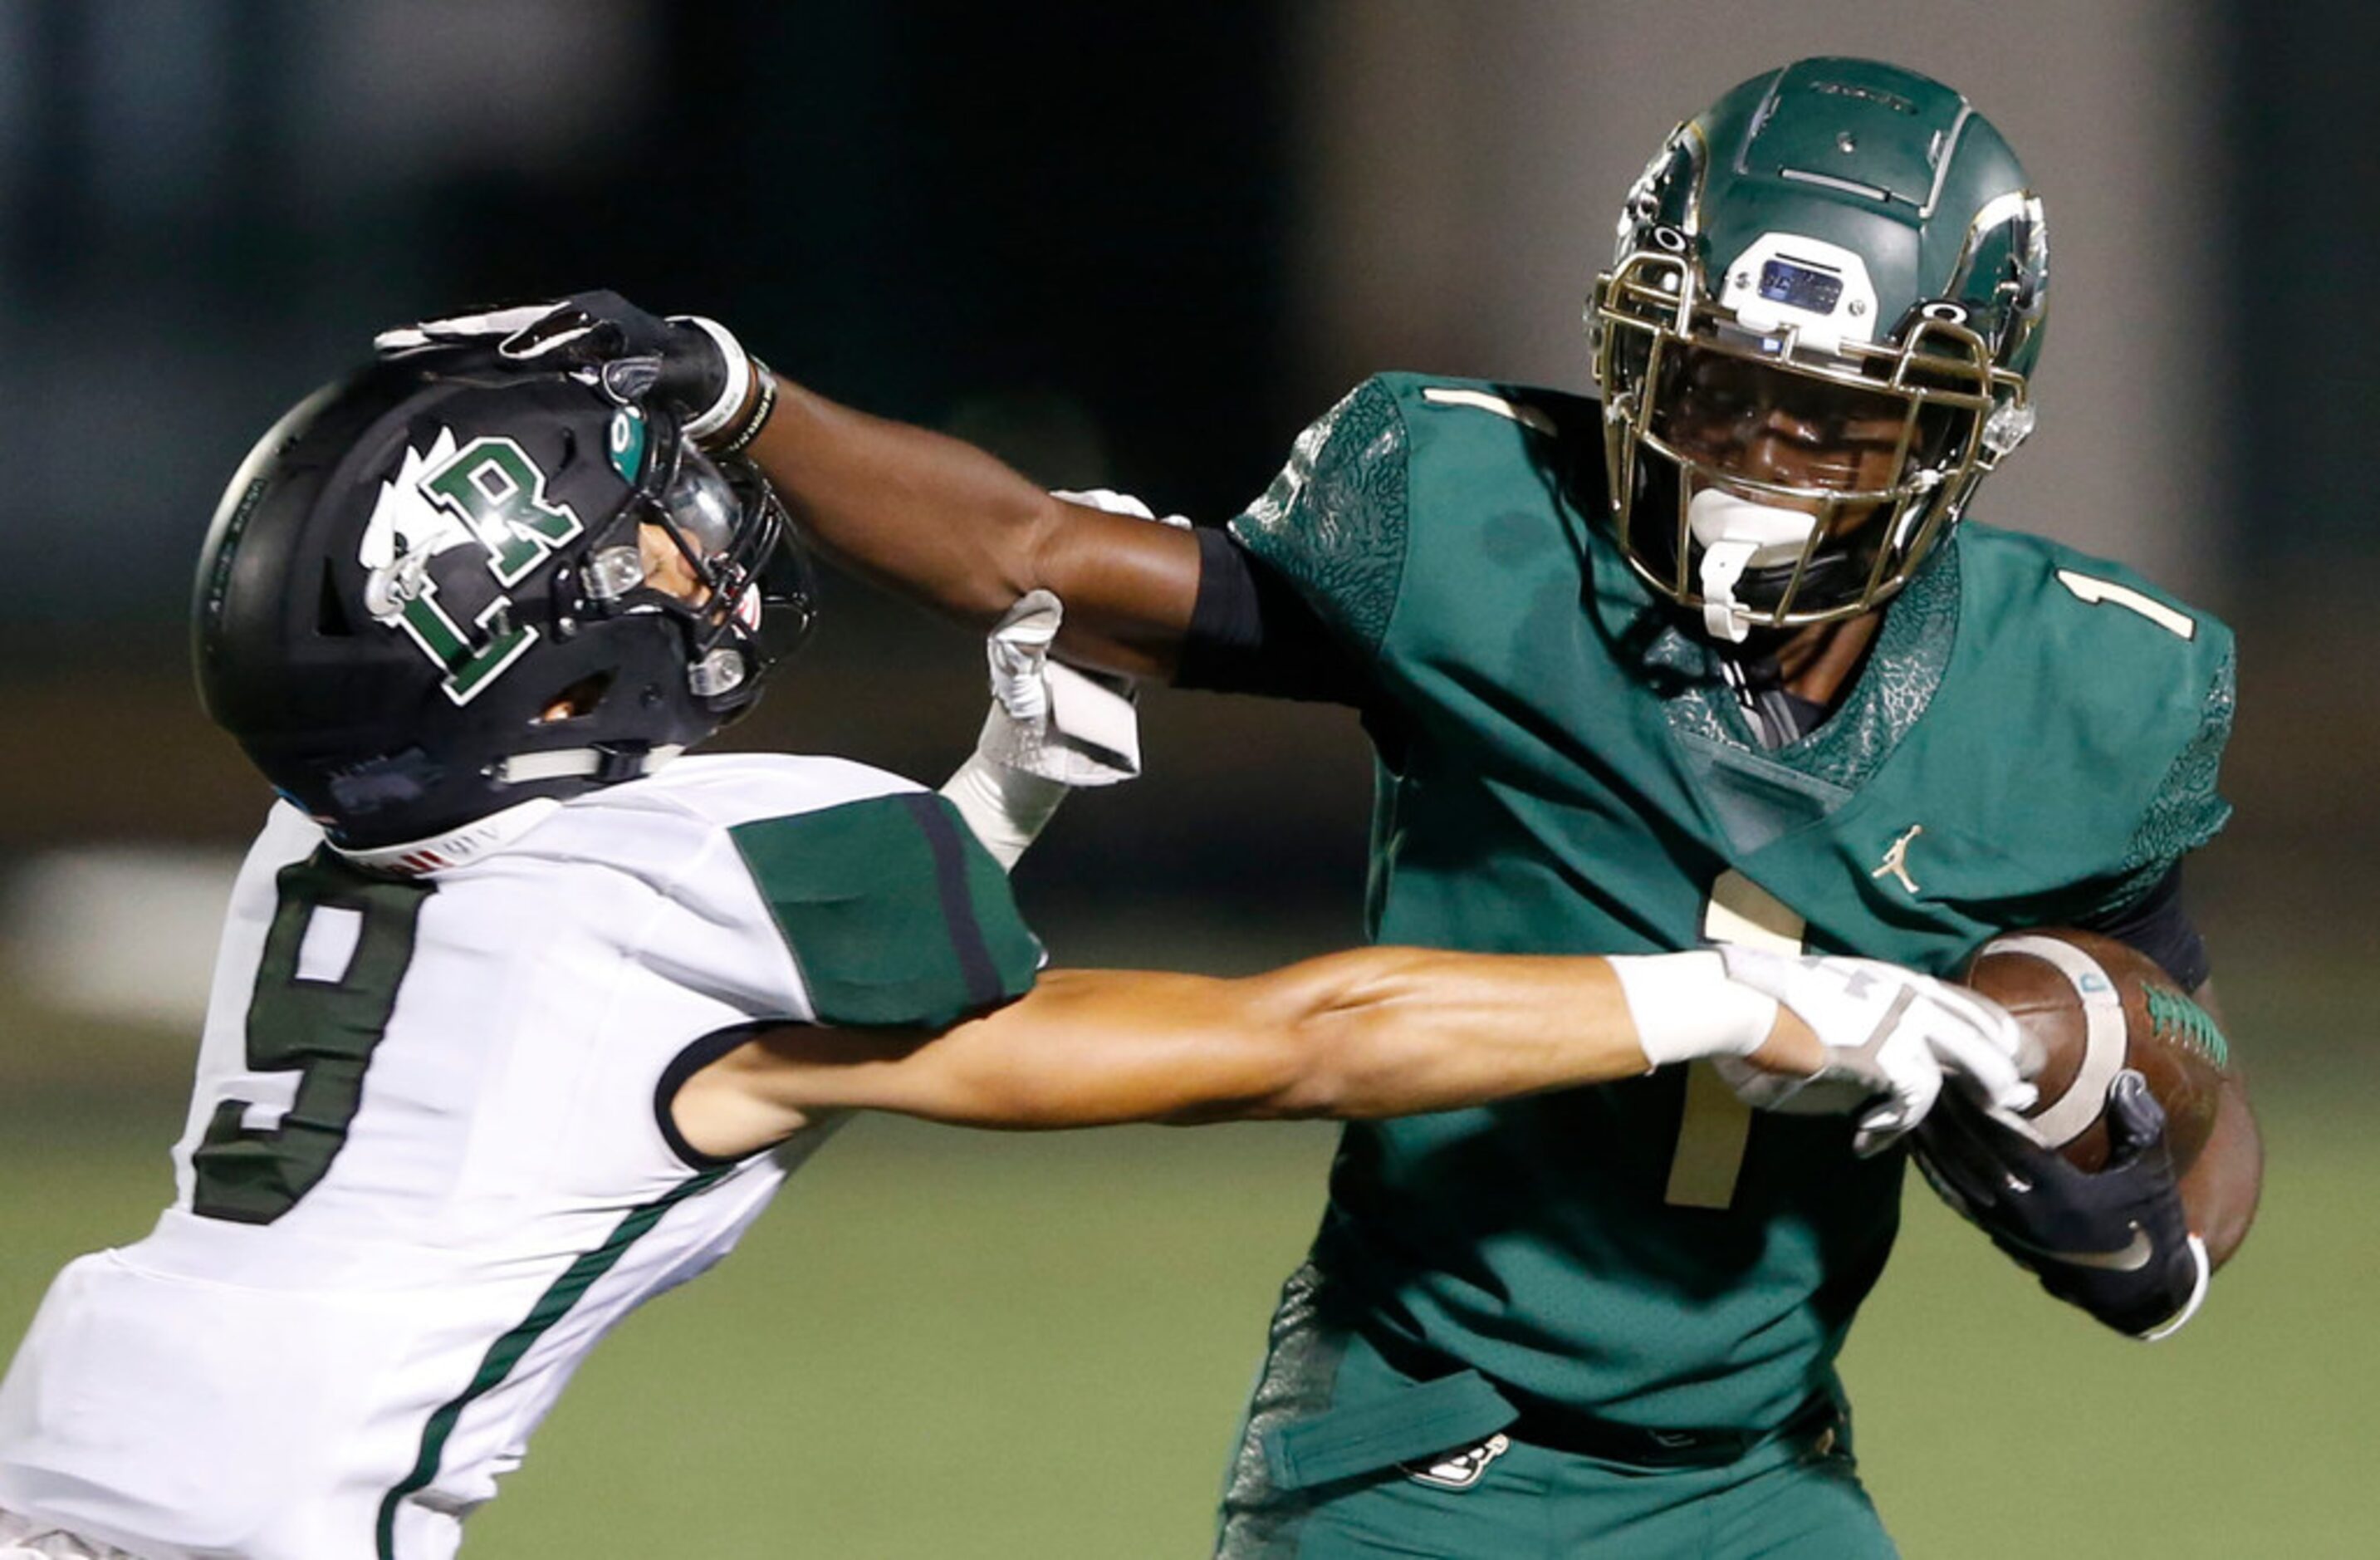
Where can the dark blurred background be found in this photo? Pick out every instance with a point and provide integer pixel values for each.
(1121, 246)
(1141, 247)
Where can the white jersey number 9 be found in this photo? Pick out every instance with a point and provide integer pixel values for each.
(339, 945)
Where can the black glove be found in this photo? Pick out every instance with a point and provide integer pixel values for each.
(692, 365)
(2115, 1242)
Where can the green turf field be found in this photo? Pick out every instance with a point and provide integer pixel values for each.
(944, 1345)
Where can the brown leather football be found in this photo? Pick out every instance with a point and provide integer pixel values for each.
(2098, 1007)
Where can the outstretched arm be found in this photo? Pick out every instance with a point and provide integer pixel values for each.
(939, 520)
(2222, 1204)
(930, 515)
(1374, 1032)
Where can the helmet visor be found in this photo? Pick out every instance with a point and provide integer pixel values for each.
(720, 551)
(702, 505)
(1760, 422)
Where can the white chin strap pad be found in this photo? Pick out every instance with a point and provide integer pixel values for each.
(1724, 565)
(1737, 534)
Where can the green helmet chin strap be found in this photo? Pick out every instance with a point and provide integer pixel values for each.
(1814, 341)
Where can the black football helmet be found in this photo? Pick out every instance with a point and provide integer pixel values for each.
(425, 597)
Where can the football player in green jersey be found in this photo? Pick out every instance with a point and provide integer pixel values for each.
(1714, 657)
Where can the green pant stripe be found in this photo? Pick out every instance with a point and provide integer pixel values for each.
(507, 1351)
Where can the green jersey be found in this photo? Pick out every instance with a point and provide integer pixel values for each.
(1563, 769)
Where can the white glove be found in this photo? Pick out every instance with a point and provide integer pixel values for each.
(1686, 1009)
(1049, 719)
(1050, 728)
(1891, 1037)
(1116, 503)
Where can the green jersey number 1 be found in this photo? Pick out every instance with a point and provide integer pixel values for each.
(1716, 1126)
(339, 945)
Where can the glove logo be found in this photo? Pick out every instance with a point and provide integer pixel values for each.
(2131, 1257)
(1896, 859)
(488, 493)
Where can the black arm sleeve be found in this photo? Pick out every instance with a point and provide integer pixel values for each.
(2158, 926)
(1250, 633)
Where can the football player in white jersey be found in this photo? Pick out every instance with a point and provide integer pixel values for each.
(517, 1023)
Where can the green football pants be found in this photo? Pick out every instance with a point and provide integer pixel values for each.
(1342, 1458)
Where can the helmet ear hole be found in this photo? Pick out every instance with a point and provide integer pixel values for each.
(580, 699)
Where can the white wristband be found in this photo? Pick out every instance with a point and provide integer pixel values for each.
(2181, 1319)
(1004, 807)
(1686, 1007)
(739, 378)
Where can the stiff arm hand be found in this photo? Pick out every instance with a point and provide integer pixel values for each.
(926, 514)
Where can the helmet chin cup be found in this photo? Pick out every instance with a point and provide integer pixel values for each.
(1737, 534)
(1777, 533)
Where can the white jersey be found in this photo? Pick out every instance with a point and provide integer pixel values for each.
(428, 1162)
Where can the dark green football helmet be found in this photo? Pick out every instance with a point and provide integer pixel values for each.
(1813, 340)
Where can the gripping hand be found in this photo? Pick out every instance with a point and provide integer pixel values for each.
(2115, 1242)
(1049, 719)
(1050, 728)
(1891, 1037)
(691, 364)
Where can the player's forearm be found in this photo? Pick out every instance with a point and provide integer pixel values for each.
(2223, 1206)
(930, 515)
(1390, 1032)
(937, 519)
(1379, 1031)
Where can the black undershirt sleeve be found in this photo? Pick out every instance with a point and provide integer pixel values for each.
(1250, 632)
(2158, 926)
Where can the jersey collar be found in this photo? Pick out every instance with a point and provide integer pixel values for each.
(438, 852)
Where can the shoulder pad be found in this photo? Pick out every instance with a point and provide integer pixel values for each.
(2140, 672)
(1553, 413)
(1333, 522)
(731, 788)
(893, 914)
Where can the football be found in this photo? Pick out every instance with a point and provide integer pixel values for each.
(2097, 1007)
